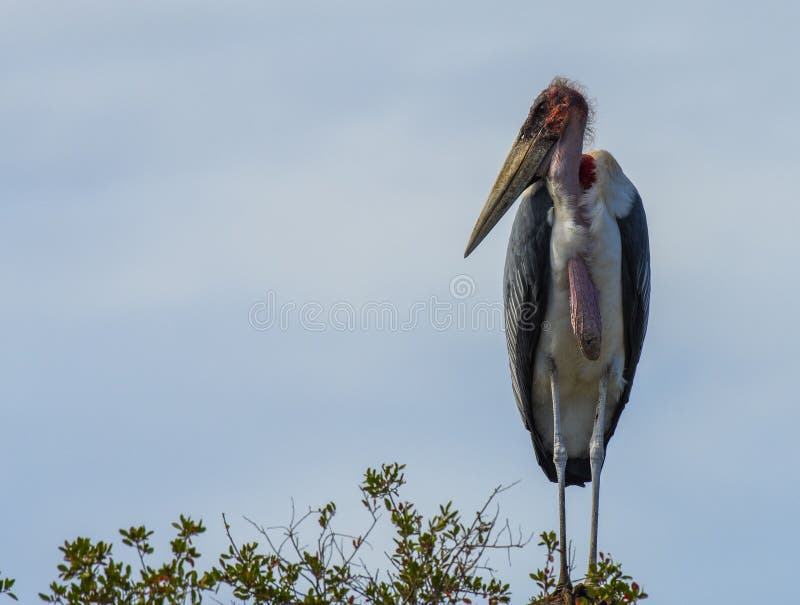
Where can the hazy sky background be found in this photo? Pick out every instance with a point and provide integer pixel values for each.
(165, 166)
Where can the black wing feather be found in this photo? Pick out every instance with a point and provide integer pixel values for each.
(635, 295)
(525, 291)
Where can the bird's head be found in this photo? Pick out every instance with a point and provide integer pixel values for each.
(560, 112)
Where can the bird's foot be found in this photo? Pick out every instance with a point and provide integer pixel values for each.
(580, 590)
(568, 595)
(564, 595)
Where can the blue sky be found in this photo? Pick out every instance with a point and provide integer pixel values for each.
(166, 167)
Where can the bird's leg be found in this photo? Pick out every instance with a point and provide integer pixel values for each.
(560, 461)
(597, 455)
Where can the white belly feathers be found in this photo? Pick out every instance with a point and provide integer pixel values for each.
(579, 378)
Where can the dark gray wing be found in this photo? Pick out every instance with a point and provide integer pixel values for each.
(635, 295)
(526, 284)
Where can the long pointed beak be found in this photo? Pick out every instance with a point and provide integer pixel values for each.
(526, 162)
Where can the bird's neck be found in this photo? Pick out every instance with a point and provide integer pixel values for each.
(565, 168)
(567, 186)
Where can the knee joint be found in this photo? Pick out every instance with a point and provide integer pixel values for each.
(597, 453)
(559, 455)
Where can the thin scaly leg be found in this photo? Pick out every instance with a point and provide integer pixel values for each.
(560, 461)
(597, 455)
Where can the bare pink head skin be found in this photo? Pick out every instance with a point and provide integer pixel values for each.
(572, 173)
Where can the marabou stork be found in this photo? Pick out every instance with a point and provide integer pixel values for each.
(576, 291)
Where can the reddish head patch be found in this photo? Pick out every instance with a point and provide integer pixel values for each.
(558, 109)
(587, 172)
(561, 98)
(551, 109)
